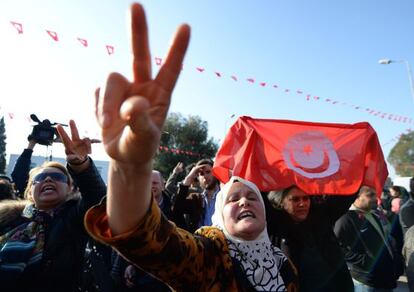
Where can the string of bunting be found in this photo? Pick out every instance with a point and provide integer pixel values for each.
(54, 36)
(164, 148)
(178, 151)
(397, 138)
(110, 49)
(308, 97)
(87, 133)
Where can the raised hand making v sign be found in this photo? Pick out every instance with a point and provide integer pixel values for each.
(131, 115)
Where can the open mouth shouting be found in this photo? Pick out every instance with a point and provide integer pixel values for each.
(47, 189)
(246, 214)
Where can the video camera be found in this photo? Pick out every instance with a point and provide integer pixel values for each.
(44, 132)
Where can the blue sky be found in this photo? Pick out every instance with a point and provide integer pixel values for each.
(328, 49)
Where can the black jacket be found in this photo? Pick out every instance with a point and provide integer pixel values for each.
(369, 260)
(312, 245)
(187, 208)
(20, 173)
(407, 215)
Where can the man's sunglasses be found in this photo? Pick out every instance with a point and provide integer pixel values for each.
(56, 176)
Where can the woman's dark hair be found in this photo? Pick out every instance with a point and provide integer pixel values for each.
(399, 190)
(205, 161)
(6, 190)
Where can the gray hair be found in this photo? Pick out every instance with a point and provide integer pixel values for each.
(276, 197)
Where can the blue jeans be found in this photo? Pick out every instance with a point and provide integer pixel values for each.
(360, 287)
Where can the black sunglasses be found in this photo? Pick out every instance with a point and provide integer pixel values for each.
(56, 176)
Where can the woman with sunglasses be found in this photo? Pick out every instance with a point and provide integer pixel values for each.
(45, 241)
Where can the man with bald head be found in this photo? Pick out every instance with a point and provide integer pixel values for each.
(159, 194)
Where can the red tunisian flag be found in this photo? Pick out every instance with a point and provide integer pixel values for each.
(319, 158)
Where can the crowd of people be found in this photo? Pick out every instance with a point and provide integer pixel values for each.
(63, 229)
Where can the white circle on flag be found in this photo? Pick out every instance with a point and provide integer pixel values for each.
(311, 154)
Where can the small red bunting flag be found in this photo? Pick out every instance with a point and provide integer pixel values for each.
(17, 26)
(263, 84)
(158, 61)
(110, 49)
(251, 80)
(234, 77)
(199, 69)
(83, 42)
(53, 35)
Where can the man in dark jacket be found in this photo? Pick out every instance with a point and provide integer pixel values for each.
(364, 241)
(159, 193)
(408, 252)
(407, 210)
(197, 208)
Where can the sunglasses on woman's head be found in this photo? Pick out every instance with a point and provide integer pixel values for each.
(56, 176)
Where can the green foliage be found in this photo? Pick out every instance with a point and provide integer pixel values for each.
(401, 156)
(2, 146)
(190, 136)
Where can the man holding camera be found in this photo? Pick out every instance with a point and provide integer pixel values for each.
(20, 173)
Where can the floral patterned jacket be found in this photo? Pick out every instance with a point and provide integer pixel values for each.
(186, 262)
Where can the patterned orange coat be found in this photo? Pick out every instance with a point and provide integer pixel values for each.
(186, 262)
